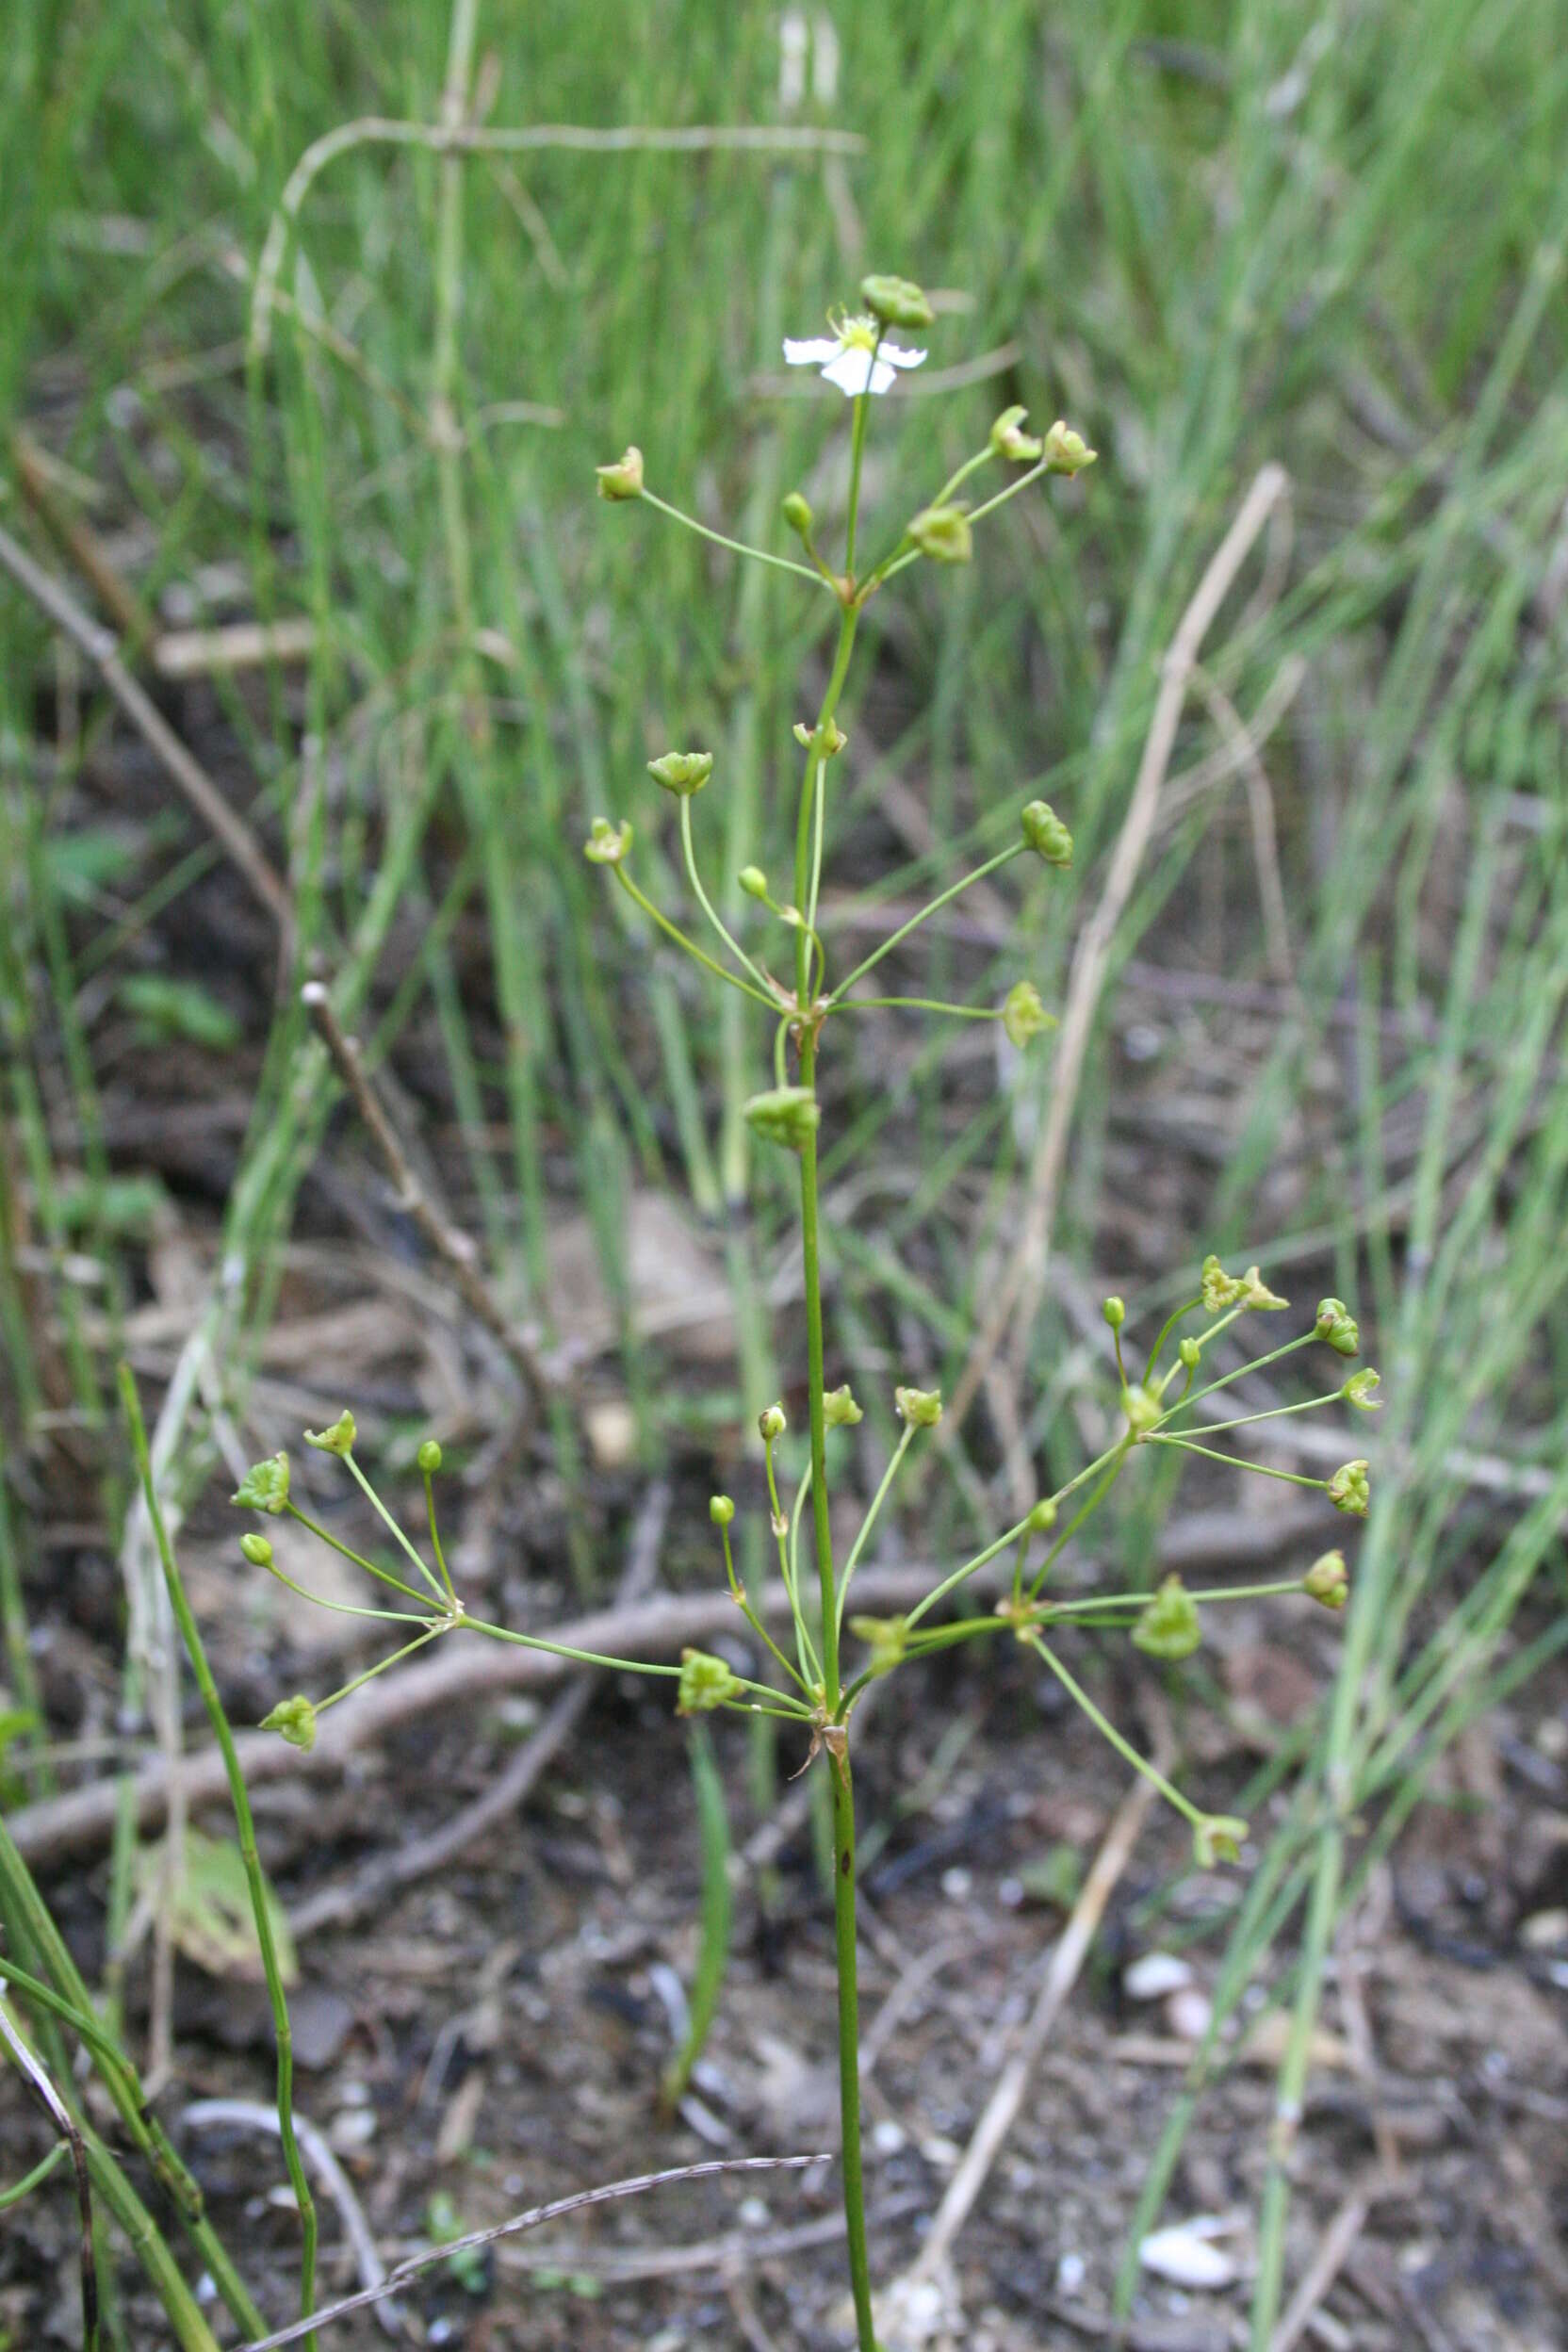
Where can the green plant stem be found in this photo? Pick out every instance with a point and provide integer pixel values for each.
(933, 906)
(736, 546)
(698, 954)
(1108, 1731)
(383, 1575)
(917, 1005)
(1236, 1461)
(870, 1520)
(34, 2179)
(847, 1957)
(688, 851)
(283, 2029)
(393, 1528)
(436, 1539)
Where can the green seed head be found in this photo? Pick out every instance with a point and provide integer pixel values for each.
(1358, 1390)
(942, 532)
(295, 1718)
(1217, 1837)
(1142, 1410)
(706, 1682)
(1169, 1626)
(921, 1407)
(1046, 834)
(683, 772)
(338, 1440)
(1190, 1354)
(896, 301)
(1066, 452)
(1010, 441)
(839, 1410)
(1349, 1489)
(1328, 1581)
(1022, 1014)
(785, 1115)
(607, 843)
(264, 1485)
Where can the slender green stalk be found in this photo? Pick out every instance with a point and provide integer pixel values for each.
(716, 1916)
(688, 851)
(698, 954)
(869, 1522)
(1103, 1724)
(847, 1957)
(34, 2179)
(758, 555)
(239, 1797)
(933, 906)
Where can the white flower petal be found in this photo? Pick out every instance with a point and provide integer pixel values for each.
(852, 371)
(812, 354)
(900, 359)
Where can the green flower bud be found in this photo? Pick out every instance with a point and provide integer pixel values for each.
(754, 881)
(1169, 1626)
(295, 1718)
(338, 1440)
(1046, 834)
(886, 1638)
(257, 1550)
(1042, 1516)
(942, 532)
(264, 1485)
(1008, 439)
(683, 772)
(1115, 1312)
(1217, 1838)
(429, 1457)
(607, 843)
(1337, 1324)
(1066, 452)
(1328, 1581)
(772, 1423)
(839, 1410)
(1142, 1409)
(797, 514)
(920, 1407)
(828, 741)
(1190, 1354)
(896, 301)
(1349, 1490)
(623, 480)
(1358, 1390)
(786, 1114)
(721, 1510)
(706, 1682)
(1022, 1014)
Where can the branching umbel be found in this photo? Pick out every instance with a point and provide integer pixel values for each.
(809, 1683)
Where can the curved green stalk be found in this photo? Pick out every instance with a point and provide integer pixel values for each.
(1002, 858)
(688, 851)
(260, 1907)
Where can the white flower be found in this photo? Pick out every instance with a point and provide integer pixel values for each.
(853, 357)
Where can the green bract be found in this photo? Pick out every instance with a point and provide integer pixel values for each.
(295, 1718)
(706, 1682)
(1169, 1626)
(896, 301)
(338, 1440)
(264, 1485)
(1046, 834)
(786, 1114)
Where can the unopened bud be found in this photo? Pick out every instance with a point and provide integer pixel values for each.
(797, 514)
(839, 1410)
(295, 1718)
(921, 1407)
(1115, 1312)
(1066, 452)
(721, 1510)
(683, 772)
(1009, 440)
(1190, 1354)
(1328, 1581)
(754, 881)
(1043, 1517)
(706, 1682)
(623, 480)
(897, 301)
(1046, 834)
(1349, 1489)
(1169, 1626)
(1022, 1014)
(826, 741)
(607, 843)
(429, 1457)
(338, 1440)
(942, 532)
(772, 1423)
(257, 1550)
(786, 1114)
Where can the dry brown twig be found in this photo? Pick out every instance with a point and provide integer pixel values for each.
(102, 649)
(1018, 1292)
(533, 2219)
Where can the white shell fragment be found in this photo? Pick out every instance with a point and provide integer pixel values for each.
(1154, 1975)
(1186, 2255)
